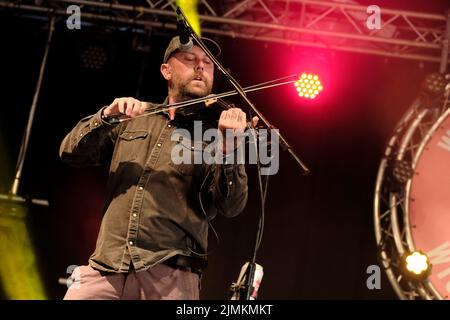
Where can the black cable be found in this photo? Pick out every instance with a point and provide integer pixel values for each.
(260, 230)
(207, 219)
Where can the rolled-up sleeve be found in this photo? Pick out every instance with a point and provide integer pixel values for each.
(90, 143)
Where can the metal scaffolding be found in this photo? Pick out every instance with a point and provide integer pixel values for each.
(393, 190)
(338, 24)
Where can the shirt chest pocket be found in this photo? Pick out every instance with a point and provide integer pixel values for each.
(132, 144)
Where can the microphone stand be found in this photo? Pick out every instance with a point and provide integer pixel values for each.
(284, 144)
(13, 194)
(17, 250)
(245, 291)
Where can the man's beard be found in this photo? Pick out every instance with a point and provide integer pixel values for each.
(185, 93)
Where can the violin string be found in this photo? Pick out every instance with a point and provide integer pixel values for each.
(259, 86)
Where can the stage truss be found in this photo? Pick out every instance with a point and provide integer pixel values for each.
(392, 192)
(338, 25)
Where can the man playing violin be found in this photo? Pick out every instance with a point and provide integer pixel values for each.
(152, 242)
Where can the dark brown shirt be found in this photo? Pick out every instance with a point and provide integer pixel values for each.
(152, 208)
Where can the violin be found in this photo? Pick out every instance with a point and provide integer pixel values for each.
(208, 112)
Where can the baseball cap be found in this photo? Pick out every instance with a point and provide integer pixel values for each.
(175, 45)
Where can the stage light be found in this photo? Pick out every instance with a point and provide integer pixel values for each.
(415, 266)
(402, 170)
(434, 84)
(417, 263)
(190, 10)
(308, 86)
(94, 57)
(20, 278)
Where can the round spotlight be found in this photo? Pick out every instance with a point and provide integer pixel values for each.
(94, 57)
(309, 84)
(434, 84)
(402, 170)
(415, 266)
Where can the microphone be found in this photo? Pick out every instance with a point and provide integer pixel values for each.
(183, 32)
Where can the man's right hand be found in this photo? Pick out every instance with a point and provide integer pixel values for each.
(126, 106)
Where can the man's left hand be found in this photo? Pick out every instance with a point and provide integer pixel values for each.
(233, 119)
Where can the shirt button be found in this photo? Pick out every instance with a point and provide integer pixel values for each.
(95, 123)
(134, 215)
(192, 147)
(169, 126)
(131, 243)
(159, 144)
(230, 183)
(141, 188)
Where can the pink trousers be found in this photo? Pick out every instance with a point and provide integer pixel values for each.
(160, 282)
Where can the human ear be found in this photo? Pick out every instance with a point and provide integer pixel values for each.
(166, 71)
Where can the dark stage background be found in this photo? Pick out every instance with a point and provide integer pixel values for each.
(319, 237)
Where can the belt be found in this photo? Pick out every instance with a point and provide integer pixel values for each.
(186, 263)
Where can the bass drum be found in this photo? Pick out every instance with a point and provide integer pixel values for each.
(429, 203)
